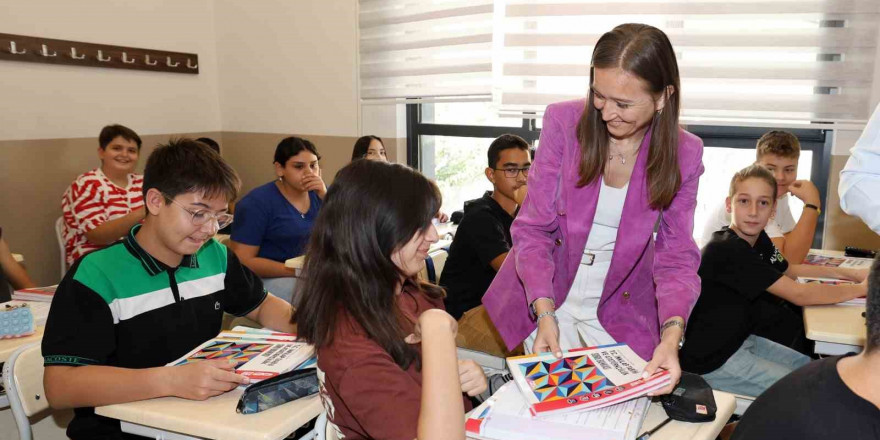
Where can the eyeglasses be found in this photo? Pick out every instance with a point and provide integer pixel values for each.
(513, 172)
(200, 217)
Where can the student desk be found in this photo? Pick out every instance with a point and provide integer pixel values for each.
(694, 431)
(8, 346)
(836, 329)
(215, 418)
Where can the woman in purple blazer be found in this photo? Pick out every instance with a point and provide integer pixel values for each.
(586, 267)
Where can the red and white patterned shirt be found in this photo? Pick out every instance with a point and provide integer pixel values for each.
(91, 200)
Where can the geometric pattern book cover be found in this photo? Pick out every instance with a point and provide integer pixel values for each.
(584, 378)
(257, 357)
(240, 352)
(564, 378)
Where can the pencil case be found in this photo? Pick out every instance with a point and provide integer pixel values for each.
(278, 390)
(16, 321)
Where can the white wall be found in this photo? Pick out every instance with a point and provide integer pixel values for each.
(288, 66)
(42, 101)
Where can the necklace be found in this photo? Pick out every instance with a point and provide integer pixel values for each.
(281, 188)
(622, 155)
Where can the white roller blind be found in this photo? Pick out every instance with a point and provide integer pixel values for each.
(782, 59)
(425, 49)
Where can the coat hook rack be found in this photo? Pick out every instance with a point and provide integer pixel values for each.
(13, 50)
(75, 56)
(46, 50)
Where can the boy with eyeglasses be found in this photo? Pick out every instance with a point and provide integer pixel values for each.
(121, 313)
(483, 238)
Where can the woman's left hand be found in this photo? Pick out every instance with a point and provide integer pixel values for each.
(666, 357)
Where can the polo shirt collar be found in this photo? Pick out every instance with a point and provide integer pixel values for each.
(152, 265)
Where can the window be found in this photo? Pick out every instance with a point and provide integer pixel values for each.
(448, 142)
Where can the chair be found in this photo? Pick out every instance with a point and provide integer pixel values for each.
(23, 379)
(59, 235)
(434, 265)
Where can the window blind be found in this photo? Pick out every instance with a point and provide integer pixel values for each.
(809, 60)
(427, 49)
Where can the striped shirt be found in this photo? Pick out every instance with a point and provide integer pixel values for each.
(91, 200)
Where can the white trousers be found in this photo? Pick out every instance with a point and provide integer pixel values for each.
(578, 321)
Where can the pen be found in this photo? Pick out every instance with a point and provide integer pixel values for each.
(647, 435)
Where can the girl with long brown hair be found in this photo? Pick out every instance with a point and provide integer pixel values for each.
(361, 306)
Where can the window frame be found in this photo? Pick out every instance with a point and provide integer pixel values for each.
(817, 140)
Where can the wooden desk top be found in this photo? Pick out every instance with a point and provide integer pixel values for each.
(693, 431)
(837, 324)
(8, 346)
(216, 418)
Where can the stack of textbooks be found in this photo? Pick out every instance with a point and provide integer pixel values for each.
(594, 392)
(37, 294)
(258, 354)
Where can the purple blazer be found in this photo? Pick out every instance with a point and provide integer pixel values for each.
(650, 280)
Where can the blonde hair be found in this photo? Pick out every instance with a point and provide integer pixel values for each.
(778, 143)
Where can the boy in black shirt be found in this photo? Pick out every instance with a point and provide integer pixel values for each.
(836, 397)
(483, 239)
(739, 265)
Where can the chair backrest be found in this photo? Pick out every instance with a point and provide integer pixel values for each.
(59, 235)
(23, 379)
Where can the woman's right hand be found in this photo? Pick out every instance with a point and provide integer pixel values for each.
(548, 337)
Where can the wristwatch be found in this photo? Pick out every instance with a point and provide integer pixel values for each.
(674, 323)
(810, 205)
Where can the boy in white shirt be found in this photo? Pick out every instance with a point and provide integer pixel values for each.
(779, 151)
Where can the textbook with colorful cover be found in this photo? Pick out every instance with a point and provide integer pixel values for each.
(506, 416)
(815, 259)
(259, 354)
(40, 294)
(584, 378)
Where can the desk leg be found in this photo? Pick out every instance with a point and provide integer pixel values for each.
(158, 434)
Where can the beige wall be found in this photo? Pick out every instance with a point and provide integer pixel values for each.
(288, 66)
(44, 101)
(267, 69)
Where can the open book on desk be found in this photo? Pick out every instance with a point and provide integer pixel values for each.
(506, 416)
(584, 378)
(258, 354)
